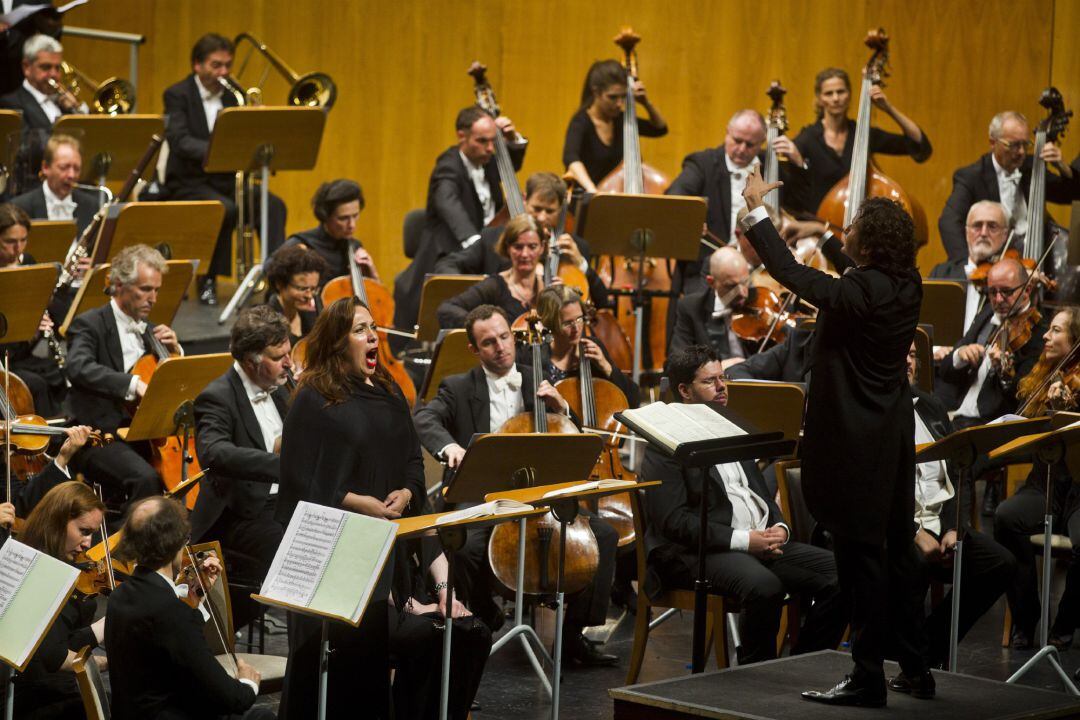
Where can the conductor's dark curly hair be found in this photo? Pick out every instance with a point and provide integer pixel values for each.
(886, 235)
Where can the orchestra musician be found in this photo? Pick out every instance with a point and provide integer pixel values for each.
(57, 197)
(28, 492)
(61, 526)
(238, 421)
(105, 343)
(348, 442)
(480, 401)
(294, 273)
(594, 138)
(704, 317)
(827, 145)
(750, 554)
(1021, 515)
(337, 205)
(858, 461)
(463, 196)
(1004, 175)
(191, 109)
(161, 663)
(786, 361)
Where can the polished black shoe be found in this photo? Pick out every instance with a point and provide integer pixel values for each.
(921, 686)
(582, 652)
(208, 291)
(847, 692)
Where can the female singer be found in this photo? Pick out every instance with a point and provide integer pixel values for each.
(593, 146)
(562, 312)
(1021, 516)
(348, 442)
(294, 275)
(61, 525)
(826, 146)
(515, 289)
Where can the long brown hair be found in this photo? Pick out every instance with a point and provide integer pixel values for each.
(1034, 379)
(329, 369)
(46, 528)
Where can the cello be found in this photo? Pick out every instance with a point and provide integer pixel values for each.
(634, 177)
(1049, 130)
(542, 534)
(864, 179)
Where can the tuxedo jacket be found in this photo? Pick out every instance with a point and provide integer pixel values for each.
(189, 139)
(162, 666)
(229, 441)
(86, 205)
(693, 312)
(33, 117)
(95, 367)
(978, 181)
(951, 269)
(784, 362)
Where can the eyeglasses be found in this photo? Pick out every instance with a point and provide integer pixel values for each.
(579, 321)
(712, 381)
(989, 226)
(1003, 292)
(1014, 145)
(304, 289)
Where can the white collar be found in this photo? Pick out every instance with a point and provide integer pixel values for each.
(969, 267)
(205, 94)
(53, 198)
(41, 97)
(1002, 172)
(250, 388)
(493, 378)
(469, 165)
(123, 320)
(732, 167)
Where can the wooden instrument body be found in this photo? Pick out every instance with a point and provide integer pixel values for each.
(611, 333)
(878, 184)
(24, 463)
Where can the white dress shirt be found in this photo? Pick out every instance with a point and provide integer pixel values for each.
(57, 208)
(748, 510)
(970, 405)
(1014, 201)
(131, 343)
(504, 397)
(720, 309)
(738, 178)
(266, 413)
(932, 486)
(48, 105)
(973, 297)
(483, 190)
(211, 102)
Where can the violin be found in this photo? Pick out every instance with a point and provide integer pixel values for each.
(97, 576)
(1012, 335)
(762, 318)
(17, 403)
(1067, 373)
(542, 534)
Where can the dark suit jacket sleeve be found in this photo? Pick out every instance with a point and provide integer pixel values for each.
(434, 420)
(215, 421)
(445, 191)
(683, 335)
(767, 365)
(691, 180)
(181, 141)
(29, 494)
(414, 472)
(83, 368)
(954, 215)
(452, 312)
(468, 261)
(669, 511)
(187, 649)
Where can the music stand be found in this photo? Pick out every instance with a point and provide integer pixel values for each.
(495, 463)
(436, 290)
(92, 293)
(1049, 447)
(765, 403)
(180, 230)
(112, 145)
(261, 139)
(24, 295)
(51, 239)
(943, 304)
(961, 448)
(452, 538)
(664, 226)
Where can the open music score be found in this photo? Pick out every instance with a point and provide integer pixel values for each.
(33, 589)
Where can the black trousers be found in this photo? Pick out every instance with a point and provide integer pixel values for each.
(121, 468)
(987, 571)
(45, 383)
(760, 587)
(416, 650)
(221, 262)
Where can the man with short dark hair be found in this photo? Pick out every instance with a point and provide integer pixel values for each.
(161, 664)
(238, 421)
(57, 197)
(191, 107)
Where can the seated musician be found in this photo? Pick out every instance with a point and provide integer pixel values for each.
(61, 526)
(1004, 175)
(28, 492)
(337, 205)
(480, 401)
(463, 196)
(238, 421)
(545, 195)
(704, 317)
(57, 197)
(719, 175)
(749, 554)
(162, 664)
(191, 107)
(105, 343)
(988, 568)
(294, 273)
(1046, 388)
(594, 138)
(514, 290)
(986, 229)
(784, 362)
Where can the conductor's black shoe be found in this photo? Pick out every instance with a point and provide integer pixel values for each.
(208, 290)
(848, 692)
(583, 653)
(921, 686)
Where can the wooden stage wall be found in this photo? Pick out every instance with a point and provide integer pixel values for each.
(400, 69)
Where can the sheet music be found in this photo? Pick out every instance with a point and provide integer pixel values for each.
(16, 559)
(309, 540)
(674, 424)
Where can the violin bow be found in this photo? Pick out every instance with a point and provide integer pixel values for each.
(230, 651)
(7, 429)
(105, 537)
(1047, 381)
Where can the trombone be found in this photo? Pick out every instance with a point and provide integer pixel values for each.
(114, 96)
(313, 89)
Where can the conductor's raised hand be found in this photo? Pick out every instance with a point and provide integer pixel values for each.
(756, 189)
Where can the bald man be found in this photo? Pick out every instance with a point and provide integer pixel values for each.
(704, 318)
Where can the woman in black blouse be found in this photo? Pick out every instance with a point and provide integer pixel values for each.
(593, 146)
(348, 442)
(294, 276)
(827, 145)
(61, 525)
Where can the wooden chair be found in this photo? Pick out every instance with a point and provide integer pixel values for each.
(451, 356)
(91, 686)
(438, 288)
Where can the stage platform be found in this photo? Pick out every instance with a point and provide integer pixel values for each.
(770, 690)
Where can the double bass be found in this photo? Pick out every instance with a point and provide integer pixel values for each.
(864, 179)
(485, 99)
(1050, 129)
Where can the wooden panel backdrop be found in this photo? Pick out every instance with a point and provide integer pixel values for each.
(400, 68)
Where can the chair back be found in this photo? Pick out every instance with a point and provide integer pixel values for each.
(450, 357)
(412, 231)
(91, 686)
